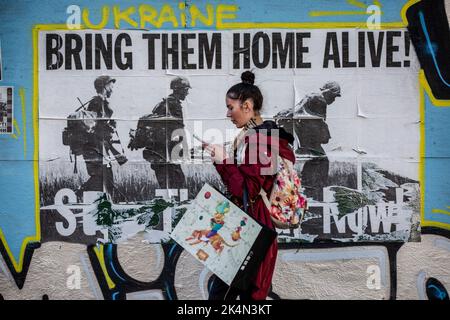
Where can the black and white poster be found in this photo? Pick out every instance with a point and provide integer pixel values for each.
(118, 111)
(6, 109)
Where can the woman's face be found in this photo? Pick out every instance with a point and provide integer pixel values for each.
(239, 113)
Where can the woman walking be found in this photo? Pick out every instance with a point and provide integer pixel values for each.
(246, 171)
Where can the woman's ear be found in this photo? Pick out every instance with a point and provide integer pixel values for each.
(247, 106)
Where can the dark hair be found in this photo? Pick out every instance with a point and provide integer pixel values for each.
(247, 90)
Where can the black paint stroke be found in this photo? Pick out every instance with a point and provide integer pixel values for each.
(429, 31)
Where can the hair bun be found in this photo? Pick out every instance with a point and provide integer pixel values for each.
(248, 77)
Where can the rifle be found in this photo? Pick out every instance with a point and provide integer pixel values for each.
(82, 104)
(119, 156)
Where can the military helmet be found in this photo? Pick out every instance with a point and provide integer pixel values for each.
(332, 86)
(102, 81)
(179, 83)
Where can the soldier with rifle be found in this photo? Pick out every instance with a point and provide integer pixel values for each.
(161, 134)
(98, 148)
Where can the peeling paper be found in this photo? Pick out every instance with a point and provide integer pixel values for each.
(360, 111)
(359, 151)
(297, 96)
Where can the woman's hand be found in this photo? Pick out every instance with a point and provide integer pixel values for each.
(217, 151)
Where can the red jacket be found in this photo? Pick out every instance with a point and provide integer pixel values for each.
(234, 176)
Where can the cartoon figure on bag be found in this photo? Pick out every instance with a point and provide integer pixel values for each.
(211, 235)
(217, 222)
(236, 234)
(216, 240)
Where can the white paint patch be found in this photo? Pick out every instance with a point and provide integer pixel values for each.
(90, 277)
(442, 243)
(421, 291)
(203, 283)
(341, 254)
(145, 295)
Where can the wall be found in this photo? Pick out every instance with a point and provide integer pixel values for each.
(39, 261)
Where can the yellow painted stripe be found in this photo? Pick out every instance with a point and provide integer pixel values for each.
(426, 85)
(357, 4)
(18, 265)
(405, 8)
(16, 127)
(422, 151)
(101, 259)
(440, 211)
(338, 13)
(36, 131)
(50, 27)
(436, 224)
(305, 25)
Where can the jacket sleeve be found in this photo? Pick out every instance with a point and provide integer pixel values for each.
(253, 172)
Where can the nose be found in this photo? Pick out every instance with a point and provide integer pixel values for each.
(228, 113)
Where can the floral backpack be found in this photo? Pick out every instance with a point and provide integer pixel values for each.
(286, 204)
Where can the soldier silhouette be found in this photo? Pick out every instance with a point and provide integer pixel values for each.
(161, 134)
(308, 124)
(98, 149)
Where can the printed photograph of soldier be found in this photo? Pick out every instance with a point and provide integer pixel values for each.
(161, 134)
(98, 140)
(307, 121)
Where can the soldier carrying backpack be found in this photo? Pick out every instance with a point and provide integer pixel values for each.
(154, 134)
(90, 132)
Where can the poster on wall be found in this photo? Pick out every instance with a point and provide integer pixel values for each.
(222, 237)
(6, 110)
(118, 111)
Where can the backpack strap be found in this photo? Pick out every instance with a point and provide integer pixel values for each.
(75, 170)
(263, 192)
(245, 199)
